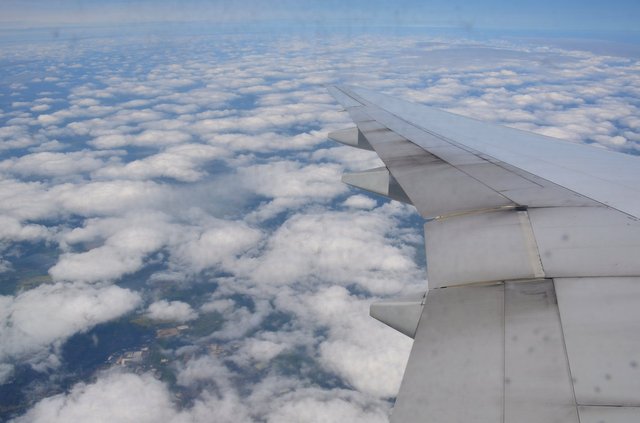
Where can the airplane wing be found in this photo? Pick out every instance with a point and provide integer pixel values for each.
(532, 312)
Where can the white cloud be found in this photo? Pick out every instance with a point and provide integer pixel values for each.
(12, 230)
(40, 108)
(5, 265)
(341, 247)
(13, 136)
(6, 372)
(34, 319)
(223, 306)
(275, 399)
(25, 200)
(219, 243)
(148, 138)
(124, 243)
(203, 369)
(367, 354)
(241, 320)
(180, 162)
(53, 164)
(128, 241)
(319, 407)
(171, 311)
(267, 141)
(291, 184)
(262, 349)
(106, 197)
(360, 202)
(54, 145)
(115, 397)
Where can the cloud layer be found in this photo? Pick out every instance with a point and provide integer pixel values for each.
(189, 182)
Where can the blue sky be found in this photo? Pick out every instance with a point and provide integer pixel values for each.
(616, 15)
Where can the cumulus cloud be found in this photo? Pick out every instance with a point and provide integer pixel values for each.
(290, 184)
(181, 163)
(12, 229)
(34, 319)
(268, 141)
(262, 349)
(171, 311)
(128, 241)
(241, 320)
(287, 179)
(364, 352)
(149, 138)
(107, 197)
(219, 243)
(318, 407)
(360, 202)
(116, 397)
(122, 397)
(341, 247)
(6, 371)
(53, 164)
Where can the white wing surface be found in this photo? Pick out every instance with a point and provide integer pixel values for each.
(532, 312)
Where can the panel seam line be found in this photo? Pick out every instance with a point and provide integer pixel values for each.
(566, 353)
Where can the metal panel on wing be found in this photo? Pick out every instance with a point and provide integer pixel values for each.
(538, 387)
(601, 321)
(457, 358)
(592, 414)
(493, 246)
(587, 241)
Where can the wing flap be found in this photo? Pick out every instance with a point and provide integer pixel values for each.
(457, 358)
(481, 247)
(488, 353)
(548, 242)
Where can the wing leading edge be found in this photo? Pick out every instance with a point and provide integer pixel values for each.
(532, 312)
